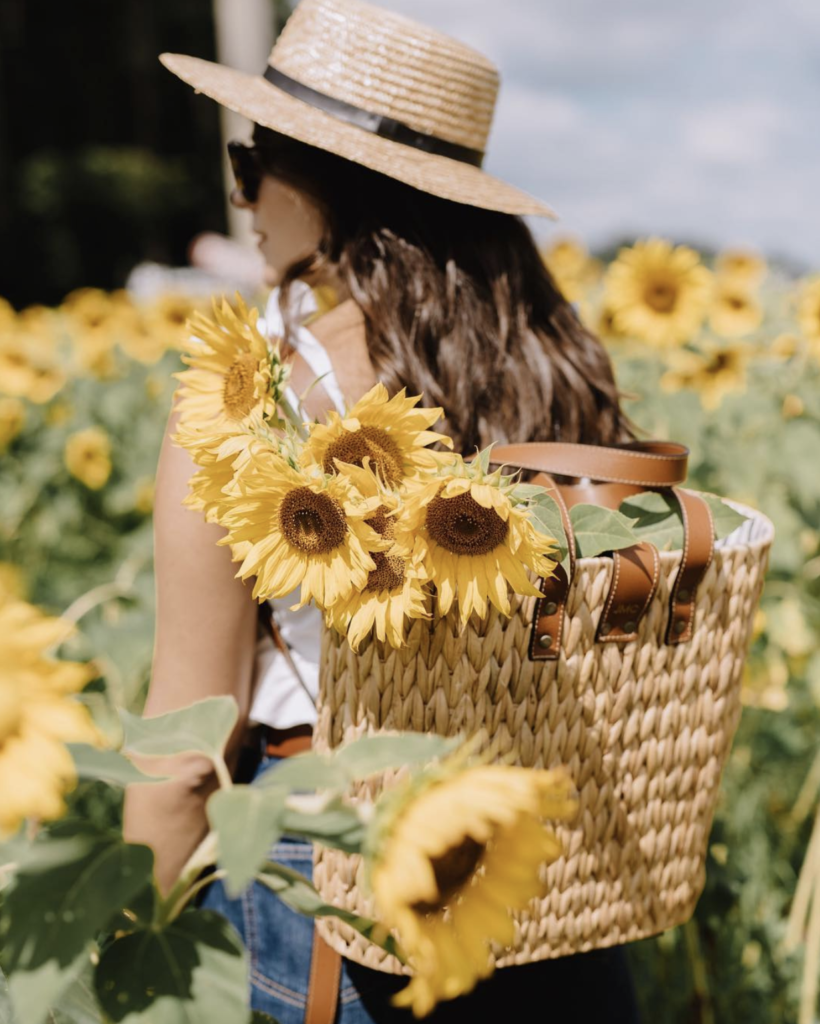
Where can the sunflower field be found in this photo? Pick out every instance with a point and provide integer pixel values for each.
(721, 353)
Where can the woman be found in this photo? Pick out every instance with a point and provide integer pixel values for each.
(364, 182)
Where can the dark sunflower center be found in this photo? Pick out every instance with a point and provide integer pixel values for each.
(735, 302)
(452, 871)
(464, 527)
(355, 446)
(312, 522)
(239, 392)
(661, 296)
(388, 574)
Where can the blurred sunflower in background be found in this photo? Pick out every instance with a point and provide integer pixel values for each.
(38, 715)
(571, 266)
(30, 366)
(734, 312)
(392, 433)
(658, 293)
(87, 457)
(808, 309)
(302, 530)
(472, 539)
(740, 268)
(451, 856)
(714, 371)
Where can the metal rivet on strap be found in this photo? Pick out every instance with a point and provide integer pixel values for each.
(630, 627)
(550, 608)
(680, 626)
(545, 640)
(605, 628)
(684, 595)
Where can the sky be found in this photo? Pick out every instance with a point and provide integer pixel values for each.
(697, 121)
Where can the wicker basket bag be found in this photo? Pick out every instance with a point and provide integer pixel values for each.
(627, 670)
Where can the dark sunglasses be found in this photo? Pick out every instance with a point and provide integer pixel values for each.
(247, 169)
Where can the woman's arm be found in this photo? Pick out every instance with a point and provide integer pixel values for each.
(204, 646)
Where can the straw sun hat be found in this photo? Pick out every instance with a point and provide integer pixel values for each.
(377, 88)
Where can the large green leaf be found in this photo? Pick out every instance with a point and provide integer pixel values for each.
(78, 1004)
(338, 769)
(34, 992)
(372, 754)
(203, 727)
(658, 519)
(257, 1017)
(337, 825)
(300, 895)
(107, 765)
(725, 518)
(193, 971)
(599, 529)
(246, 821)
(547, 516)
(52, 914)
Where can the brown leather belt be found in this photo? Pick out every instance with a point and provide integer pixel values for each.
(286, 742)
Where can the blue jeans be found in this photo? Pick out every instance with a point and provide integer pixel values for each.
(590, 988)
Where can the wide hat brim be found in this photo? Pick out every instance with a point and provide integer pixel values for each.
(260, 101)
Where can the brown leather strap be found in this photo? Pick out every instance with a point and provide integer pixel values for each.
(635, 575)
(548, 615)
(641, 463)
(323, 986)
(698, 550)
(287, 742)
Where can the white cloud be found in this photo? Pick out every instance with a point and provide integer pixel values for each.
(697, 121)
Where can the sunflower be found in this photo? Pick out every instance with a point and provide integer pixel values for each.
(391, 432)
(229, 379)
(740, 268)
(303, 529)
(714, 371)
(37, 715)
(658, 293)
(472, 539)
(395, 589)
(734, 312)
(808, 310)
(29, 367)
(87, 457)
(451, 855)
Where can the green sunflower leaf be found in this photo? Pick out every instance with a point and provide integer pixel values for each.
(193, 971)
(203, 727)
(547, 517)
(246, 821)
(107, 765)
(599, 529)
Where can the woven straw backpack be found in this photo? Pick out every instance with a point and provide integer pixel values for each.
(627, 670)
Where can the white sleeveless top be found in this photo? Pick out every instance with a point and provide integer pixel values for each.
(280, 699)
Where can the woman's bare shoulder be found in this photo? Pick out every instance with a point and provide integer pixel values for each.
(342, 333)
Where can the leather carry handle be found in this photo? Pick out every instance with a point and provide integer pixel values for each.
(640, 463)
(651, 465)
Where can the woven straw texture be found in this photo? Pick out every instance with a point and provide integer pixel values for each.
(644, 729)
(384, 63)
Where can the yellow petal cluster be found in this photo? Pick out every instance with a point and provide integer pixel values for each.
(714, 371)
(451, 861)
(38, 715)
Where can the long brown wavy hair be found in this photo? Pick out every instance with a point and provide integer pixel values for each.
(458, 305)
